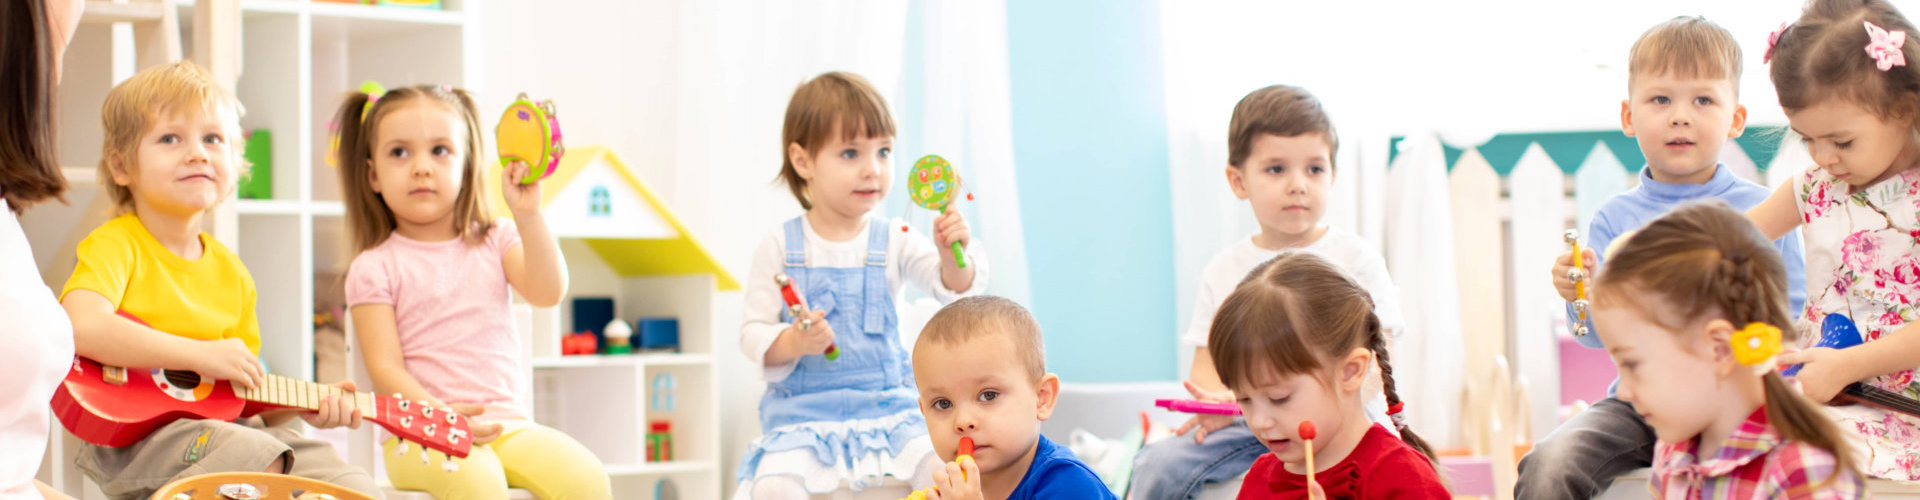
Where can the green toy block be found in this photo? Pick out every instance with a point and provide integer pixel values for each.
(258, 185)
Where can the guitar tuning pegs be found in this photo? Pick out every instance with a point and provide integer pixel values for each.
(430, 428)
(426, 410)
(400, 450)
(406, 422)
(404, 404)
(449, 465)
(453, 418)
(424, 457)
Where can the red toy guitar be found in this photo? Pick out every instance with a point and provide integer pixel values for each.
(113, 406)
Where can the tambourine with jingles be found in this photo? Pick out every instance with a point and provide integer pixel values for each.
(530, 133)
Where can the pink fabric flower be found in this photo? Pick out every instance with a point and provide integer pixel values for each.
(1884, 47)
(1774, 39)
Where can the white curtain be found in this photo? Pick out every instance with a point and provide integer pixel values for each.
(1419, 215)
(738, 62)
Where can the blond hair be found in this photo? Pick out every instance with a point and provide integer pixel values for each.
(134, 106)
(1686, 47)
(980, 316)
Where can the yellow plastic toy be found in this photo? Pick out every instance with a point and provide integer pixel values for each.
(1578, 275)
(965, 451)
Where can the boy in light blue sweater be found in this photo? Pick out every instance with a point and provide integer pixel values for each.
(1682, 107)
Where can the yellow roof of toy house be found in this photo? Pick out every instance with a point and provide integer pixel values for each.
(593, 197)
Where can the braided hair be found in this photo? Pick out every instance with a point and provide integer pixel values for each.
(1704, 260)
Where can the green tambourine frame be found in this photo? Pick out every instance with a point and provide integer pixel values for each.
(530, 132)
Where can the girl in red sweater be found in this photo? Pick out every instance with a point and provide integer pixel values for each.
(1295, 342)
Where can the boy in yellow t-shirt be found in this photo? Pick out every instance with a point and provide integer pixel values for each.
(171, 155)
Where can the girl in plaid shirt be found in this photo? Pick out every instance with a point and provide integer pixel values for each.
(1692, 308)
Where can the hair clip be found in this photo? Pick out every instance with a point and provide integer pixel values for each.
(1773, 39)
(1884, 47)
(1756, 345)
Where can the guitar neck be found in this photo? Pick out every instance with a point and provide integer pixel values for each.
(1887, 400)
(303, 395)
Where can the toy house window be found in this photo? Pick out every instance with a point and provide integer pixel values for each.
(662, 393)
(599, 203)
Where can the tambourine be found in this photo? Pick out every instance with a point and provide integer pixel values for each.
(529, 132)
(933, 185)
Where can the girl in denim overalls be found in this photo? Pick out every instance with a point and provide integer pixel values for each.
(852, 421)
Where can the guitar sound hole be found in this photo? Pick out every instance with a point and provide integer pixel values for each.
(181, 378)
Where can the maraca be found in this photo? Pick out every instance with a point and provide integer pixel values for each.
(933, 185)
(965, 451)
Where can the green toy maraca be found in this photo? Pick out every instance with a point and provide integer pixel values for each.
(933, 185)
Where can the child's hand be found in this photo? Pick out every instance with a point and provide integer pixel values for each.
(1315, 492)
(335, 411)
(1565, 262)
(1207, 423)
(950, 227)
(521, 198)
(229, 360)
(1825, 372)
(814, 340)
(483, 432)
(959, 481)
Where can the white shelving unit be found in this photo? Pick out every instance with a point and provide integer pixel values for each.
(635, 252)
(298, 59)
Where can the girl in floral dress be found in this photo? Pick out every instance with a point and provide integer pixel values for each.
(1843, 75)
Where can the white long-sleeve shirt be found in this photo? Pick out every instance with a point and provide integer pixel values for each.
(39, 342)
(911, 256)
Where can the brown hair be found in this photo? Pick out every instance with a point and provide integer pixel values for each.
(1292, 314)
(973, 317)
(1705, 259)
(368, 217)
(135, 105)
(832, 105)
(1281, 110)
(1823, 56)
(29, 170)
(1686, 47)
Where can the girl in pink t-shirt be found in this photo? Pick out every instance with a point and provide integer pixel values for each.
(429, 291)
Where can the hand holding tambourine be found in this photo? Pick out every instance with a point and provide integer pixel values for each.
(529, 133)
